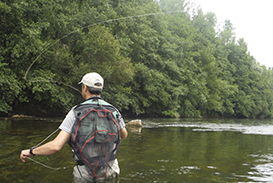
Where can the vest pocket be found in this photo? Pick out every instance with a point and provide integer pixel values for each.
(100, 136)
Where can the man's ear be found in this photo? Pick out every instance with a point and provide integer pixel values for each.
(85, 88)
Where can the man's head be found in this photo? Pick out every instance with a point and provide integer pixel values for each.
(94, 82)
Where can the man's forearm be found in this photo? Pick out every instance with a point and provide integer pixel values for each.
(48, 148)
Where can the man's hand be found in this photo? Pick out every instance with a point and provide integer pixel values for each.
(24, 155)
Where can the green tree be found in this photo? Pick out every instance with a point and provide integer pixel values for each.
(41, 45)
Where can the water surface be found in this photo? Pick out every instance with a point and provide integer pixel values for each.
(164, 150)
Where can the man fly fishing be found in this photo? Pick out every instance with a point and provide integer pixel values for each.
(93, 129)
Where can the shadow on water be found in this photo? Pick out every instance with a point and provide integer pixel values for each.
(164, 150)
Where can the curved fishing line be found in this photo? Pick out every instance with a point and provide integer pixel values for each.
(98, 23)
(62, 83)
(49, 167)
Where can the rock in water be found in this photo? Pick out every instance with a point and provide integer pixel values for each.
(136, 122)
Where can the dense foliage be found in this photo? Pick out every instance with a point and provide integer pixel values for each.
(159, 59)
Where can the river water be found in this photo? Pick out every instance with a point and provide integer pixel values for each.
(163, 150)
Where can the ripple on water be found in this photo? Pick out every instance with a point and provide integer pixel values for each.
(261, 172)
(261, 129)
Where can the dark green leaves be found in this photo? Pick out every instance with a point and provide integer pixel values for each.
(172, 64)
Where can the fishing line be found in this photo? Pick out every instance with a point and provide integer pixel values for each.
(75, 31)
(62, 83)
(47, 137)
(49, 167)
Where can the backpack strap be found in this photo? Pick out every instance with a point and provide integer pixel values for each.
(100, 102)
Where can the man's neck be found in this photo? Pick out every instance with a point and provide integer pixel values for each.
(91, 95)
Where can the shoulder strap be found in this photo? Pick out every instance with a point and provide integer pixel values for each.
(96, 103)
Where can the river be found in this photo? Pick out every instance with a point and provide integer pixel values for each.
(163, 150)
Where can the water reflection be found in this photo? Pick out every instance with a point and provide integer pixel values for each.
(164, 150)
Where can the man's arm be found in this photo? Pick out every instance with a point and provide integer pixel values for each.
(48, 148)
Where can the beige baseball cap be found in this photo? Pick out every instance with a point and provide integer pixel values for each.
(92, 79)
